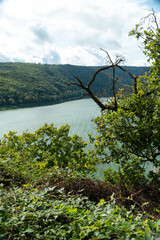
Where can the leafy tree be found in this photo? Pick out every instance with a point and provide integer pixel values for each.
(40, 153)
(131, 134)
(129, 127)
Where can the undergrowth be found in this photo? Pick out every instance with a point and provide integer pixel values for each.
(29, 213)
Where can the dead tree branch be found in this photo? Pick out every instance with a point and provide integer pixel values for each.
(152, 19)
(113, 65)
(88, 92)
(96, 73)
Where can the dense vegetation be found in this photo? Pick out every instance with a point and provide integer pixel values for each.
(45, 191)
(23, 84)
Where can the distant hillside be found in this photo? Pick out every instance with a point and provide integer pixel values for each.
(25, 84)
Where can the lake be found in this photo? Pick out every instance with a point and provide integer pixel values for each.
(78, 114)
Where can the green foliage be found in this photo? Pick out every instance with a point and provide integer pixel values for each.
(130, 173)
(31, 214)
(130, 136)
(134, 132)
(111, 176)
(10, 176)
(41, 152)
(25, 84)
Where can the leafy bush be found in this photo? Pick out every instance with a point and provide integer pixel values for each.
(11, 177)
(27, 213)
(111, 176)
(41, 152)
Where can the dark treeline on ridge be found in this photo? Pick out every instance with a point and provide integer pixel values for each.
(26, 84)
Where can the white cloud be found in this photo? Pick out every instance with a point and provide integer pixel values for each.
(69, 31)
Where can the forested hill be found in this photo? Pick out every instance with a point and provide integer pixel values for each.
(24, 84)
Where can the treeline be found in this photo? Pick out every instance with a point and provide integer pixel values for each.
(37, 84)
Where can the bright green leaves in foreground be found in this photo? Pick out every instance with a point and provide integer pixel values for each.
(32, 214)
(35, 154)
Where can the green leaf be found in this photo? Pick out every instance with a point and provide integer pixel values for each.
(148, 237)
(29, 230)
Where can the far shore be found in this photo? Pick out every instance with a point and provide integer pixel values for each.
(28, 105)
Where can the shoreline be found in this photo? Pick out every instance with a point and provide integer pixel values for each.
(28, 105)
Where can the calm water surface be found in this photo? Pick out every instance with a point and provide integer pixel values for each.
(78, 114)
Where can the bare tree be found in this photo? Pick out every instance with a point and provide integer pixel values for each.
(111, 65)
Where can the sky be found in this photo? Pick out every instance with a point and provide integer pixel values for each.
(70, 31)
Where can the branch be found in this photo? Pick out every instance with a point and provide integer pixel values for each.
(156, 154)
(95, 74)
(114, 106)
(150, 17)
(119, 59)
(110, 60)
(80, 84)
(132, 76)
(155, 18)
(153, 91)
(88, 92)
(144, 157)
(84, 94)
(73, 83)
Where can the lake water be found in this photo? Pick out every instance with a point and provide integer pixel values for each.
(78, 114)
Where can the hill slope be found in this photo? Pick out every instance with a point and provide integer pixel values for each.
(24, 84)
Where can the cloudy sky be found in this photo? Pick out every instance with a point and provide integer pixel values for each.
(71, 31)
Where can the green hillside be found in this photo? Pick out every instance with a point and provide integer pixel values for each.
(25, 84)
